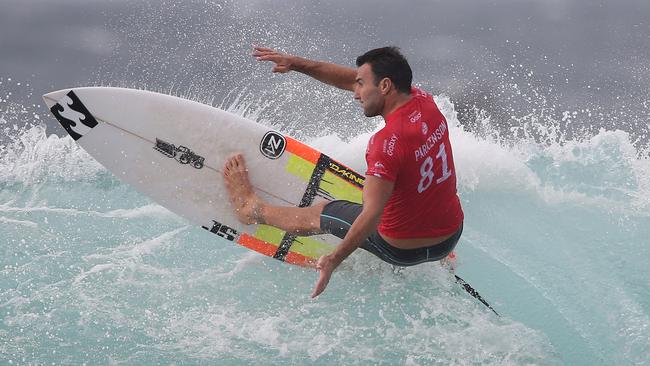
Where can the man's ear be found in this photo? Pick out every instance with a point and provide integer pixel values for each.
(385, 85)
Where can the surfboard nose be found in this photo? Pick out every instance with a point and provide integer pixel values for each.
(53, 97)
(71, 112)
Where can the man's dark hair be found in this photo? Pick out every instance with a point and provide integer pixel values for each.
(388, 62)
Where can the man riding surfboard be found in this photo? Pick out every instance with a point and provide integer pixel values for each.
(411, 212)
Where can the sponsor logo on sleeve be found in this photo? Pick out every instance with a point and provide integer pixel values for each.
(272, 145)
(378, 169)
(390, 150)
(73, 116)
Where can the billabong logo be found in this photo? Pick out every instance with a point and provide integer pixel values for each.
(273, 145)
(73, 116)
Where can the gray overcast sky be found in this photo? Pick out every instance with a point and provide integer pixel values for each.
(508, 57)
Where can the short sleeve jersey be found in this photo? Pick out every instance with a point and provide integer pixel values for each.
(413, 150)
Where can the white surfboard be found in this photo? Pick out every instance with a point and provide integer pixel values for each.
(173, 150)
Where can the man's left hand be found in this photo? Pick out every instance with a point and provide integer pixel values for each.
(325, 265)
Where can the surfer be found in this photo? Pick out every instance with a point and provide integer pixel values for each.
(411, 212)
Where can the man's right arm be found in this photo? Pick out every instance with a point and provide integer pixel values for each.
(336, 75)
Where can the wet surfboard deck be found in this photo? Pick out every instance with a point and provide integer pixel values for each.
(173, 150)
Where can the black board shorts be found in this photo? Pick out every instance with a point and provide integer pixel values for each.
(337, 218)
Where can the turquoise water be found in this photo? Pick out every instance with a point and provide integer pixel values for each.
(555, 239)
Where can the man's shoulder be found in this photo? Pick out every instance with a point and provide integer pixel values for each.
(419, 93)
(426, 104)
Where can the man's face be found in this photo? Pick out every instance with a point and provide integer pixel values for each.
(367, 93)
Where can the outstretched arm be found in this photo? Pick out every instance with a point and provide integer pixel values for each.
(336, 75)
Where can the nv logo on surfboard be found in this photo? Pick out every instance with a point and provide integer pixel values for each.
(273, 145)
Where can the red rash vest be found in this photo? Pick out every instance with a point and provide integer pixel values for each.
(413, 150)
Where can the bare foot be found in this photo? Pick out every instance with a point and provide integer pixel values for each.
(248, 206)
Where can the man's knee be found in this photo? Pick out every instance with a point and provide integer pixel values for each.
(320, 206)
(314, 217)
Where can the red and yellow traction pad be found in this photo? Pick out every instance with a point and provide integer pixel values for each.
(325, 177)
